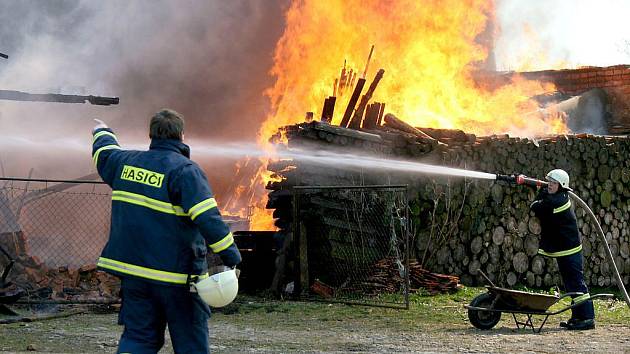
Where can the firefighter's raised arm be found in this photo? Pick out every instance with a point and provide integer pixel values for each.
(104, 144)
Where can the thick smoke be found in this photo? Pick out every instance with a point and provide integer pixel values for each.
(552, 34)
(205, 59)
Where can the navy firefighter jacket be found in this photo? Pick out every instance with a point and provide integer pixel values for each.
(559, 232)
(164, 216)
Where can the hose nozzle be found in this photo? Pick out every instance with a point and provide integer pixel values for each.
(528, 181)
(506, 178)
(521, 180)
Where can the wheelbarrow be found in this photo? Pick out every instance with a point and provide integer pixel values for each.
(485, 310)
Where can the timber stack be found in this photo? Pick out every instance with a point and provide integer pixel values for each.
(464, 225)
(459, 225)
(384, 277)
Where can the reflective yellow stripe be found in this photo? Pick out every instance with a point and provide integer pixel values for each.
(562, 208)
(202, 206)
(98, 152)
(104, 132)
(148, 273)
(581, 298)
(154, 204)
(561, 253)
(225, 242)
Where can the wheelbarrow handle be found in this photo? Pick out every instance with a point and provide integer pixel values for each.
(574, 293)
(486, 277)
(596, 296)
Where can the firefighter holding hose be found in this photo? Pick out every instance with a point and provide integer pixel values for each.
(560, 239)
(164, 221)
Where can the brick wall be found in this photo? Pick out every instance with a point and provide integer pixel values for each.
(615, 80)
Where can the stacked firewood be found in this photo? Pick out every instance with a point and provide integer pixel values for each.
(384, 277)
(434, 283)
(491, 227)
(460, 226)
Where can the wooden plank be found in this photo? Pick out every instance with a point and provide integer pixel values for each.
(355, 123)
(346, 132)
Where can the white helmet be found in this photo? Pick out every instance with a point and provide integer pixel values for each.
(560, 176)
(219, 289)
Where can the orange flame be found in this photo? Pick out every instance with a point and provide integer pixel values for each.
(430, 52)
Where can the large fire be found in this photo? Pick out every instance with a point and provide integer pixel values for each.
(430, 50)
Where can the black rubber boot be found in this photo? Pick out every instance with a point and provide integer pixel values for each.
(566, 324)
(580, 325)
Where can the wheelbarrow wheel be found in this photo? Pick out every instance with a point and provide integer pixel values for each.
(483, 319)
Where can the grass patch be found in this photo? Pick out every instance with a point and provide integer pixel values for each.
(425, 312)
(268, 324)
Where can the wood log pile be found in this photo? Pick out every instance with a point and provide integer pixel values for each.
(460, 226)
(388, 278)
(55, 283)
(498, 233)
(384, 277)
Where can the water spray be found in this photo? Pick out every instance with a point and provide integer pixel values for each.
(328, 158)
(528, 181)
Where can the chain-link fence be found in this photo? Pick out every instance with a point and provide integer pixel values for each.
(352, 244)
(57, 223)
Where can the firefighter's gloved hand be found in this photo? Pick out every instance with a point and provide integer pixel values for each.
(542, 193)
(230, 256)
(100, 124)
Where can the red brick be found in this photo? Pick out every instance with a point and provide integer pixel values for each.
(87, 268)
(74, 278)
(43, 282)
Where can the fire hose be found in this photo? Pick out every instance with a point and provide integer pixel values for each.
(528, 181)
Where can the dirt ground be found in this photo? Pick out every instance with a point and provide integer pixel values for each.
(270, 326)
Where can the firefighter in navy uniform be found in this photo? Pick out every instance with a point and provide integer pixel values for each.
(560, 239)
(164, 219)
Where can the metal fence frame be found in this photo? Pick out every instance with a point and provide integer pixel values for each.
(68, 216)
(301, 253)
(27, 196)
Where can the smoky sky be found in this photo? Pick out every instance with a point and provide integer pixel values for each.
(538, 35)
(209, 60)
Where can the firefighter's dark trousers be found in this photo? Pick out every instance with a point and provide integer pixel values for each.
(148, 307)
(570, 268)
